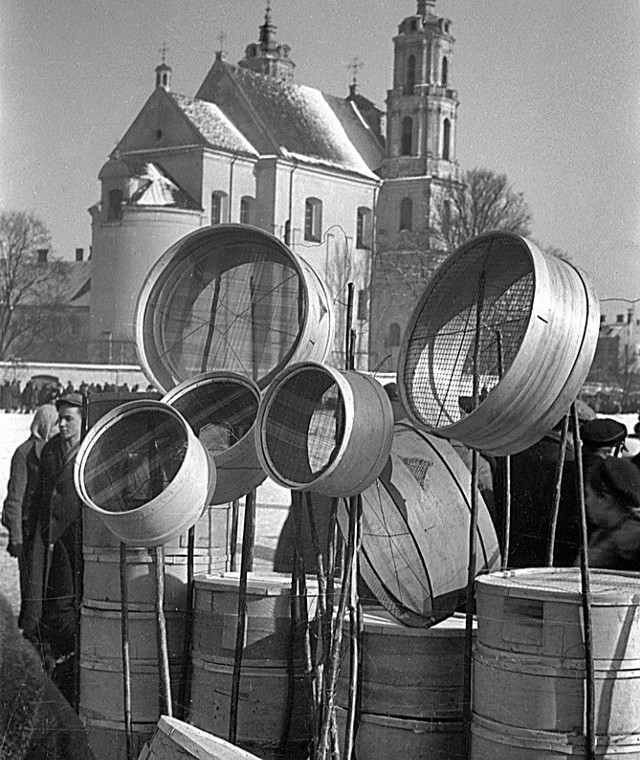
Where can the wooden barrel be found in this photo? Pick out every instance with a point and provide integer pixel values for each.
(230, 297)
(142, 469)
(272, 654)
(174, 739)
(268, 635)
(528, 665)
(413, 673)
(381, 737)
(324, 430)
(101, 554)
(532, 345)
(221, 408)
(415, 530)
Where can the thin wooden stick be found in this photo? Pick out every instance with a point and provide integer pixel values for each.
(355, 639)
(161, 634)
(246, 562)
(233, 538)
(126, 660)
(473, 524)
(185, 676)
(557, 493)
(586, 593)
(506, 471)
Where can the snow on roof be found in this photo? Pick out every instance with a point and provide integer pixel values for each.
(156, 188)
(213, 125)
(300, 121)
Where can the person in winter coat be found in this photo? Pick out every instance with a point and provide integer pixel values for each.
(36, 722)
(51, 616)
(612, 496)
(21, 488)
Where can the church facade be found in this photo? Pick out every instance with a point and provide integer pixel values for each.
(313, 169)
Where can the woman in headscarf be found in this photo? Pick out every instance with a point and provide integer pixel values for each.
(23, 478)
(612, 494)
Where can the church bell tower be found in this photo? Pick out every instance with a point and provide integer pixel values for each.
(419, 165)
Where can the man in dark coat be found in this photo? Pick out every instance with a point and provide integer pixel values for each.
(52, 613)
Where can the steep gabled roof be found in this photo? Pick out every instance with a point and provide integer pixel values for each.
(217, 130)
(294, 120)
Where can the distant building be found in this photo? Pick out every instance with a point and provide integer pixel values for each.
(313, 169)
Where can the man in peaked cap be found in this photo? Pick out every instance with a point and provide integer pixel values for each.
(52, 611)
(601, 438)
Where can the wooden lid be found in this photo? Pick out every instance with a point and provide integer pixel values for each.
(563, 584)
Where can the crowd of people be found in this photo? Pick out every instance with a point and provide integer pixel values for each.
(25, 399)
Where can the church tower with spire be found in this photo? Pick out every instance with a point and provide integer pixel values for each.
(420, 162)
(266, 56)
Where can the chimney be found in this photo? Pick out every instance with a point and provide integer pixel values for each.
(79, 254)
(42, 255)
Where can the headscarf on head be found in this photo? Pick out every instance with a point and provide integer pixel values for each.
(45, 423)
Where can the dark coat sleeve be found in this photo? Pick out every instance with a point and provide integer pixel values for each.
(16, 490)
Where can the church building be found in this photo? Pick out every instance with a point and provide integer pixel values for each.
(252, 146)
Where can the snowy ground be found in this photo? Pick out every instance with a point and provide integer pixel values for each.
(272, 501)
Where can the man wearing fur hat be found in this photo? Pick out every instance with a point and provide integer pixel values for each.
(51, 618)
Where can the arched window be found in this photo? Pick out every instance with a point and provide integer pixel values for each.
(114, 212)
(406, 214)
(363, 228)
(446, 140)
(246, 210)
(445, 71)
(394, 334)
(407, 136)
(313, 219)
(410, 77)
(218, 207)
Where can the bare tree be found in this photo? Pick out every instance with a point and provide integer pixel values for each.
(482, 202)
(29, 289)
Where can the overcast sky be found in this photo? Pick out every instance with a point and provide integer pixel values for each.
(549, 94)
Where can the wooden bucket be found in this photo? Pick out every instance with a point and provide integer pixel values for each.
(230, 297)
(528, 663)
(268, 633)
(381, 737)
(261, 704)
(142, 469)
(221, 408)
(174, 739)
(491, 740)
(537, 336)
(414, 673)
(416, 519)
(324, 430)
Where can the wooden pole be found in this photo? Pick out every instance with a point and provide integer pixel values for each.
(246, 563)
(586, 593)
(185, 676)
(557, 492)
(161, 634)
(506, 473)
(126, 661)
(233, 538)
(473, 525)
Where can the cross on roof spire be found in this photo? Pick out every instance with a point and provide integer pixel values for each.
(221, 52)
(163, 52)
(355, 66)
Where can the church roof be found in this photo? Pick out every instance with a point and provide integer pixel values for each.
(213, 125)
(291, 120)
